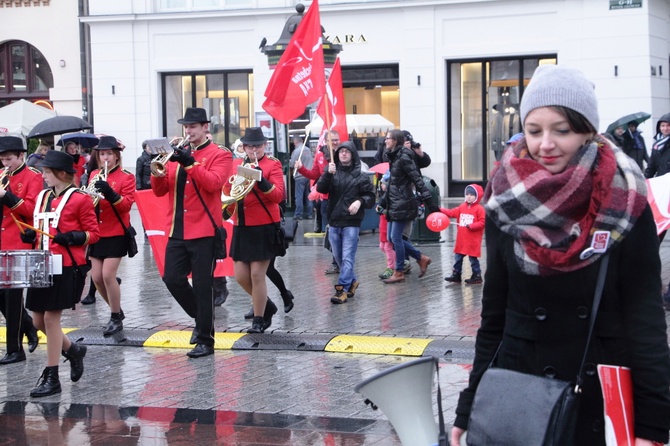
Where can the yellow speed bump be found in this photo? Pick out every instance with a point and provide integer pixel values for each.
(377, 345)
(181, 339)
(42, 337)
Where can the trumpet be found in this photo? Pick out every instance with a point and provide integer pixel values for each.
(91, 190)
(158, 165)
(4, 174)
(241, 183)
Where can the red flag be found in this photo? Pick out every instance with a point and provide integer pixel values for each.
(336, 106)
(299, 78)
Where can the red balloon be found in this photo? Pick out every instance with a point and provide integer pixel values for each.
(437, 222)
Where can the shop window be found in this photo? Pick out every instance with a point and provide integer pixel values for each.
(484, 97)
(24, 73)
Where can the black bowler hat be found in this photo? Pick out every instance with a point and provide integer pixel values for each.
(11, 144)
(253, 136)
(55, 159)
(194, 115)
(108, 143)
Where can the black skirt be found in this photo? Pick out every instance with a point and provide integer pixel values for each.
(109, 248)
(254, 243)
(65, 292)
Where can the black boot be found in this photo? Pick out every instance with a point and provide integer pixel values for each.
(474, 279)
(270, 310)
(114, 325)
(287, 297)
(455, 277)
(75, 355)
(257, 325)
(48, 384)
(220, 288)
(90, 296)
(33, 338)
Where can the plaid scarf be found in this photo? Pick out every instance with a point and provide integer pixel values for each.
(552, 217)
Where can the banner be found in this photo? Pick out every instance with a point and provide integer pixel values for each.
(299, 78)
(617, 388)
(337, 110)
(155, 214)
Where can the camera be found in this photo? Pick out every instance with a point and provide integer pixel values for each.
(415, 145)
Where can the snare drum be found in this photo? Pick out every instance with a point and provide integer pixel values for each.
(25, 269)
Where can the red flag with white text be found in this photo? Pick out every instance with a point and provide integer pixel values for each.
(299, 78)
(336, 107)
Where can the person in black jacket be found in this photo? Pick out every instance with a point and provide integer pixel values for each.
(560, 200)
(143, 168)
(400, 203)
(350, 193)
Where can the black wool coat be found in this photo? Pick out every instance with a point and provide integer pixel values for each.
(543, 321)
(400, 201)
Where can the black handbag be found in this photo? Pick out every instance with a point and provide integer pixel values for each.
(220, 233)
(129, 234)
(280, 233)
(512, 408)
(290, 226)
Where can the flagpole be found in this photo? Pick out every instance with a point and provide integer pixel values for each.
(330, 147)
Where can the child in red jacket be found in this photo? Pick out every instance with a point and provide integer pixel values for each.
(470, 217)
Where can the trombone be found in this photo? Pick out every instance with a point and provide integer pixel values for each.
(4, 174)
(158, 165)
(91, 190)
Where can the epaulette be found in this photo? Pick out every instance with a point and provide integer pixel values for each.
(34, 170)
(126, 171)
(224, 148)
(270, 157)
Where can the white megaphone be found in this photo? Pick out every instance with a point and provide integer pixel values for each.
(404, 394)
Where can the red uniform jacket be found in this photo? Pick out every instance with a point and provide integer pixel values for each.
(25, 183)
(123, 183)
(77, 215)
(211, 169)
(254, 213)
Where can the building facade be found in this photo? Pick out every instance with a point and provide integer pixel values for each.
(452, 72)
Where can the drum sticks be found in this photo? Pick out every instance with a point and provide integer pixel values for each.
(22, 225)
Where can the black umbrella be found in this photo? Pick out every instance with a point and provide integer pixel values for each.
(637, 118)
(86, 140)
(59, 125)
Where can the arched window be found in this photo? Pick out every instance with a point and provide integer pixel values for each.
(24, 73)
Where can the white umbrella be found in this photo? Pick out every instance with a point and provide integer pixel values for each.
(355, 123)
(21, 116)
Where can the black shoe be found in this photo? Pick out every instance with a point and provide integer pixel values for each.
(288, 301)
(249, 314)
(75, 355)
(455, 277)
(118, 280)
(474, 279)
(114, 325)
(221, 295)
(257, 325)
(48, 384)
(33, 338)
(200, 350)
(89, 299)
(11, 358)
(270, 310)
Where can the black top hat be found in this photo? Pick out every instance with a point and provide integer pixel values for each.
(194, 115)
(11, 144)
(55, 159)
(253, 136)
(107, 143)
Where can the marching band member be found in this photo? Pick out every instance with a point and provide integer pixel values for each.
(19, 186)
(255, 218)
(117, 185)
(197, 171)
(67, 215)
(79, 162)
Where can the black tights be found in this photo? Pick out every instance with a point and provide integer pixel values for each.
(275, 277)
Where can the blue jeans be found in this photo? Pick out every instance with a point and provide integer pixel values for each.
(344, 244)
(474, 263)
(401, 247)
(301, 200)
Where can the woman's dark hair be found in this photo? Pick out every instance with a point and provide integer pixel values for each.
(577, 122)
(398, 137)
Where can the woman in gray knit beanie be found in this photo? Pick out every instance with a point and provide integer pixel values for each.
(562, 200)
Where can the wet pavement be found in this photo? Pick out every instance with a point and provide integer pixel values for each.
(293, 385)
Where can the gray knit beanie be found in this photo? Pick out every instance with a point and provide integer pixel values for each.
(552, 85)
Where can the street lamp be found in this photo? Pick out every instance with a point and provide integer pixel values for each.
(275, 51)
